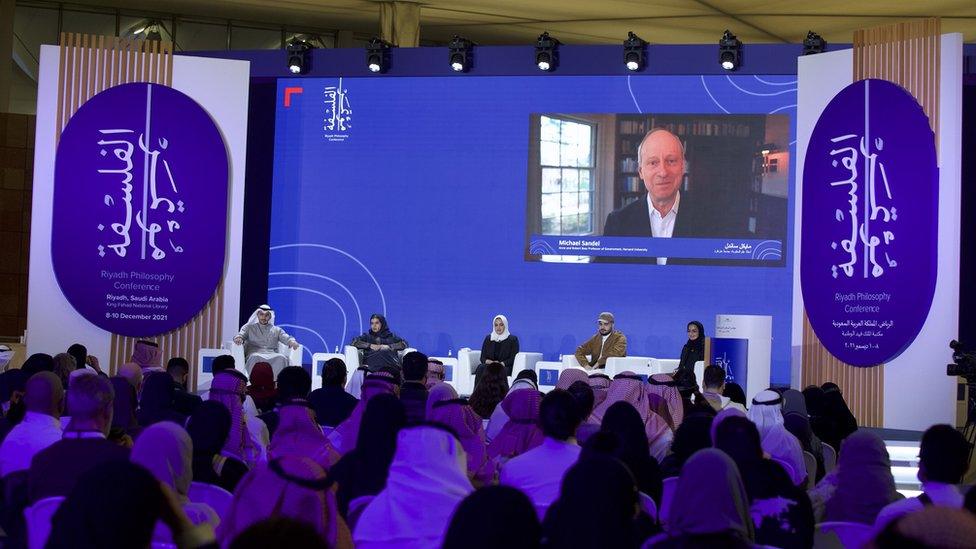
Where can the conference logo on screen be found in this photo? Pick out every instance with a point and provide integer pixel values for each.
(140, 209)
(338, 112)
(870, 223)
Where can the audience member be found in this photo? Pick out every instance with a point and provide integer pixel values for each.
(363, 470)
(436, 372)
(710, 506)
(294, 383)
(124, 407)
(278, 531)
(80, 354)
(735, 393)
(630, 388)
(157, 401)
(933, 526)
(569, 376)
(766, 413)
(332, 404)
(55, 470)
(40, 362)
(64, 364)
(148, 356)
(622, 420)
(298, 434)
(860, 486)
(262, 388)
(117, 504)
(229, 387)
(289, 487)
(12, 386)
(597, 507)
(499, 417)
(520, 432)
(840, 418)
(493, 517)
(347, 433)
(444, 407)
(943, 461)
(692, 435)
(209, 428)
(133, 374)
(539, 471)
(491, 391)
(713, 385)
(600, 383)
(409, 514)
(781, 511)
(184, 402)
(41, 426)
(664, 399)
(413, 392)
(583, 394)
(166, 450)
(797, 422)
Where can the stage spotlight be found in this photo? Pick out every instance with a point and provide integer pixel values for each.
(460, 54)
(814, 44)
(378, 55)
(729, 51)
(546, 52)
(634, 52)
(298, 61)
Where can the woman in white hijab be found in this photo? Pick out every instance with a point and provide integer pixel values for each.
(260, 338)
(766, 412)
(499, 346)
(427, 480)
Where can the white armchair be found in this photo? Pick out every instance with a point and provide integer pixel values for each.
(237, 351)
(640, 365)
(352, 357)
(468, 361)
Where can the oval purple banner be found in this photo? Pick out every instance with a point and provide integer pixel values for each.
(870, 223)
(140, 209)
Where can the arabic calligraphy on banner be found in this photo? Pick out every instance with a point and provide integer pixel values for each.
(870, 223)
(140, 209)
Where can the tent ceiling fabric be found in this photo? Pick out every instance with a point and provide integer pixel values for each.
(588, 22)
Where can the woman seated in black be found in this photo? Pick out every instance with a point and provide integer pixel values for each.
(379, 346)
(694, 349)
(499, 346)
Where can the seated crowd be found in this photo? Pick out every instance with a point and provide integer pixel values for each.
(391, 456)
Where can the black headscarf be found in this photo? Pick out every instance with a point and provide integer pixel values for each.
(839, 414)
(625, 422)
(494, 516)
(129, 492)
(384, 327)
(697, 344)
(209, 427)
(156, 404)
(124, 405)
(363, 471)
(80, 352)
(38, 362)
(595, 507)
(734, 391)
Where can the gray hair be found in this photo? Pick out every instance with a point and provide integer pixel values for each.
(90, 396)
